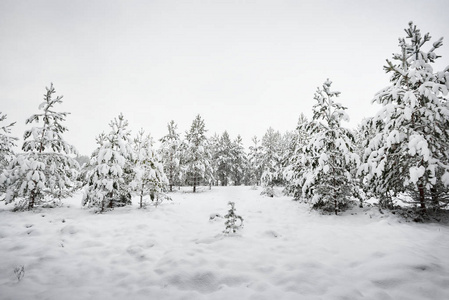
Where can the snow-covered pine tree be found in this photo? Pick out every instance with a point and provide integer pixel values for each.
(255, 161)
(7, 142)
(110, 173)
(271, 160)
(411, 142)
(293, 163)
(239, 161)
(329, 156)
(197, 164)
(231, 223)
(45, 169)
(171, 154)
(149, 176)
(214, 145)
(223, 158)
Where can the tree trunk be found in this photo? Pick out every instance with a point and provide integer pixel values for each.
(31, 203)
(141, 197)
(435, 201)
(336, 206)
(102, 204)
(421, 197)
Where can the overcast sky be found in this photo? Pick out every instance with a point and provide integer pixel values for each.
(242, 65)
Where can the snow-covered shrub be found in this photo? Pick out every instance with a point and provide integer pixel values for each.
(19, 271)
(45, 171)
(268, 191)
(409, 148)
(233, 221)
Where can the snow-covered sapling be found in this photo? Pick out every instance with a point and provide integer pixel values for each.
(111, 169)
(232, 224)
(20, 272)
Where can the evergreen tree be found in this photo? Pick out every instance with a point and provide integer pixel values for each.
(171, 154)
(255, 161)
(214, 147)
(233, 221)
(45, 169)
(329, 156)
(108, 180)
(149, 176)
(197, 164)
(293, 162)
(239, 161)
(271, 158)
(7, 142)
(224, 159)
(409, 149)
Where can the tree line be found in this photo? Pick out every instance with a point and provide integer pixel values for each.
(402, 149)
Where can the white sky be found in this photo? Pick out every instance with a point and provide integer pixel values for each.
(243, 65)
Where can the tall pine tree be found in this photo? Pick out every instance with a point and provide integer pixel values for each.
(239, 161)
(223, 158)
(45, 171)
(197, 164)
(329, 156)
(255, 161)
(293, 162)
(409, 149)
(171, 154)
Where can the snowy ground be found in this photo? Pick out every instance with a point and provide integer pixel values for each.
(174, 252)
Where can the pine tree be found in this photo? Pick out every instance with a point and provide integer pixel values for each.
(409, 149)
(293, 162)
(214, 148)
(329, 156)
(239, 161)
(231, 223)
(224, 158)
(271, 158)
(197, 164)
(45, 169)
(7, 142)
(255, 161)
(149, 176)
(110, 174)
(171, 154)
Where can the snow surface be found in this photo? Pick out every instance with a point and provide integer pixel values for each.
(177, 251)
